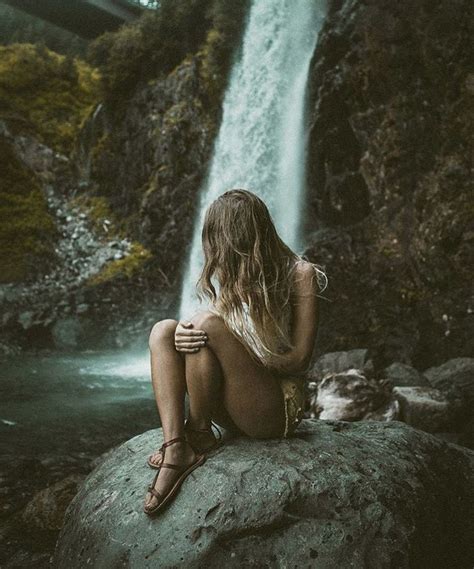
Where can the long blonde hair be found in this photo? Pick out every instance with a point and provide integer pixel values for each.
(254, 269)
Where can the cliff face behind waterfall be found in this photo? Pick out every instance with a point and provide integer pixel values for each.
(390, 199)
(387, 204)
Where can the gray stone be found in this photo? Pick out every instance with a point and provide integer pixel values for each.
(338, 362)
(457, 374)
(45, 511)
(425, 408)
(338, 495)
(351, 396)
(82, 308)
(26, 319)
(67, 333)
(403, 374)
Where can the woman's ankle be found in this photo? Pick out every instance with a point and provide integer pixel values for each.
(198, 424)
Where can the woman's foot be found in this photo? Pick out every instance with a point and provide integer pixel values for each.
(181, 454)
(201, 442)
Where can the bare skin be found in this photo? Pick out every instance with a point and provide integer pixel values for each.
(223, 382)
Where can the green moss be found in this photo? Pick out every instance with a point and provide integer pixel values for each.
(123, 268)
(46, 94)
(100, 146)
(211, 75)
(174, 115)
(98, 211)
(27, 230)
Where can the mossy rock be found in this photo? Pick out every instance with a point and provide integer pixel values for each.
(27, 230)
(126, 268)
(98, 211)
(46, 94)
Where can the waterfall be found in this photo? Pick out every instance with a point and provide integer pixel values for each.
(261, 142)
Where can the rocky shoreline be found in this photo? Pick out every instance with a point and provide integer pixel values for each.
(344, 388)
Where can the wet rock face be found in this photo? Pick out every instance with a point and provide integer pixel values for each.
(369, 494)
(148, 158)
(389, 178)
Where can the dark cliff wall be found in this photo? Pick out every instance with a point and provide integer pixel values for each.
(390, 206)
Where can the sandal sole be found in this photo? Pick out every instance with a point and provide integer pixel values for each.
(174, 489)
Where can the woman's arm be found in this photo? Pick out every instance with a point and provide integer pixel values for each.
(305, 320)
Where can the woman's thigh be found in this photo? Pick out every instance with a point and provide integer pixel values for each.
(252, 396)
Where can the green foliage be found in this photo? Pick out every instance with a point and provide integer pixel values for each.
(27, 230)
(149, 46)
(123, 268)
(46, 94)
(156, 43)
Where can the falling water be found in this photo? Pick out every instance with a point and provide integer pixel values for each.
(262, 139)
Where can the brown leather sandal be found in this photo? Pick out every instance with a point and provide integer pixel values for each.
(196, 449)
(216, 444)
(165, 499)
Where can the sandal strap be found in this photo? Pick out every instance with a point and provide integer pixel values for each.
(209, 430)
(219, 434)
(172, 441)
(155, 492)
(173, 466)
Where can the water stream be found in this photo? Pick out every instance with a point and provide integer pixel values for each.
(262, 139)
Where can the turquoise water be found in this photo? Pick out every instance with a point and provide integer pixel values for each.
(59, 412)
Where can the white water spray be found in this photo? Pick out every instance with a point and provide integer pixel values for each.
(262, 140)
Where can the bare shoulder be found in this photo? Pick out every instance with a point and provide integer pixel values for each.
(305, 278)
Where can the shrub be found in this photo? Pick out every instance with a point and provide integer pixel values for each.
(157, 42)
(46, 94)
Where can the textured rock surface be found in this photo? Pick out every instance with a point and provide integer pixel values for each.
(352, 396)
(403, 374)
(425, 408)
(337, 362)
(389, 178)
(361, 495)
(454, 375)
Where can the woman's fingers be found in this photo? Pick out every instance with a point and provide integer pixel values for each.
(187, 340)
(184, 329)
(190, 344)
(191, 333)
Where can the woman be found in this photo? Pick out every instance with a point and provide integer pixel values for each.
(242, 361)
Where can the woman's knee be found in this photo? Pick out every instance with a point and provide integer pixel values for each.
(162, 331)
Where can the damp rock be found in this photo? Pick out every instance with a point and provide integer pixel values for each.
(332, 492)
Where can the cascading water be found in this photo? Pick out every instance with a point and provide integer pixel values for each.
(261, 141)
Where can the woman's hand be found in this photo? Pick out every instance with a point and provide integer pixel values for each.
(187, 340)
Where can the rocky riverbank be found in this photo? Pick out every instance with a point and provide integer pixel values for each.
(344, 388)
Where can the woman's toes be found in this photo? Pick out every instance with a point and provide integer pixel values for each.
(151, 502)
(156, 458)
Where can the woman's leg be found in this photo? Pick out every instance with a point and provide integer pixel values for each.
(167, 376)
(223, 380)
(169, 386)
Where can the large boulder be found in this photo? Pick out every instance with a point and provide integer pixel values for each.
(336, 495)
(404, 375)
(426, 408)
(456, 375)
